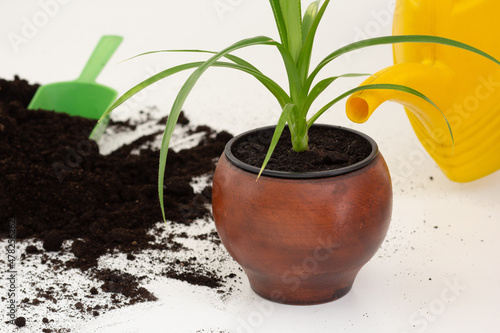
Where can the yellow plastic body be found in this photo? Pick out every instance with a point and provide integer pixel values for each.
(465, 86)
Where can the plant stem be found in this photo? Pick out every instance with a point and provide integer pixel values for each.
(300, 139)
(300, 144)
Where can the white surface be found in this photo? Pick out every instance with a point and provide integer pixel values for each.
(442, 235)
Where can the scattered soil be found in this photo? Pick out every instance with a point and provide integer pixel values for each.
(20, 321)
(196, 278)
(123, 283)
(59, 188)
(329, 149)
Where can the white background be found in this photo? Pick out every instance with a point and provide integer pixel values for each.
(438, 270)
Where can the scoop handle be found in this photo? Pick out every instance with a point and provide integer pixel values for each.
(99, 58)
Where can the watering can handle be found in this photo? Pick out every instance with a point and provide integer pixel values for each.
(99, 58)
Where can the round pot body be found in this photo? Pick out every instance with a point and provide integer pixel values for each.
(302, 238)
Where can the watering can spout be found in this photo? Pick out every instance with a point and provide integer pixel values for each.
(429, 123)
(362, 104)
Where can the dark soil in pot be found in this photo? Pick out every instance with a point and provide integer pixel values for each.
(59, 188)
(329, 149)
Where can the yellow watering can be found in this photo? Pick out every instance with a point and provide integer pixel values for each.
(464, 85)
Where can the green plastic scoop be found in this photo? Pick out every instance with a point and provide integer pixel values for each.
(82, 97)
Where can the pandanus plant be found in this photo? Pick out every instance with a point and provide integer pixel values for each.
(297, 34)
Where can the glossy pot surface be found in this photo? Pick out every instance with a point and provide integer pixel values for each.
(302, 240)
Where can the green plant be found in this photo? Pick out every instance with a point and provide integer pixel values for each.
(297, 34)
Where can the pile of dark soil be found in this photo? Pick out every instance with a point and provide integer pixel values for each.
(58, 187)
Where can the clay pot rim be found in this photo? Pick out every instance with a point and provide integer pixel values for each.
(302, 175)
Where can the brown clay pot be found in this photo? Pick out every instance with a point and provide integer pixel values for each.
(302, 238)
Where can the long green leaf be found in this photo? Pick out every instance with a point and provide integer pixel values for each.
(309, 16)
(320, 87)
(149, 81)
(306, 52)
(287, 110)
(272, 86)
(291, 10)
(398, 87)
(392, 40)
(231, 57)
(182, 96)
(280, 21)
(277, 91)
(293, 75)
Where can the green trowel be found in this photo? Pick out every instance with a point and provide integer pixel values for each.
(82, 97)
